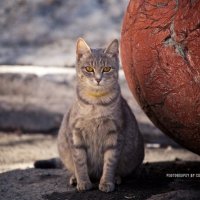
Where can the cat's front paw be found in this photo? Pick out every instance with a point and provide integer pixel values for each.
(106, 186)
(84, 185)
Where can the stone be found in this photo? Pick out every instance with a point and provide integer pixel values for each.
(160, 51)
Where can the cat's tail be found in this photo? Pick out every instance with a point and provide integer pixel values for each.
(54, 163)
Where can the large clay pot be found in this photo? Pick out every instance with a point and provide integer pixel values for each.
(160, 51)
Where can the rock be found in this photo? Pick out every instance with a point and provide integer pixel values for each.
(160, 50)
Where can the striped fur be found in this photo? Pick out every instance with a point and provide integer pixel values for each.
(99, 137)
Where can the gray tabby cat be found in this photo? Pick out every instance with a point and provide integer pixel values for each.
(99, 137)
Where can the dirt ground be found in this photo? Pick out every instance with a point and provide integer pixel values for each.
(20, 181)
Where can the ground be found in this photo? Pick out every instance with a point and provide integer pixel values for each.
(19, 180)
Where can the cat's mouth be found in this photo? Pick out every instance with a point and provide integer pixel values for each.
(96, 85)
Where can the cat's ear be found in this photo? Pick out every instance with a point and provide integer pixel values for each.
(113, 48)
(81, 48)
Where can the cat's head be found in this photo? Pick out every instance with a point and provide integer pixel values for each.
(97, 68)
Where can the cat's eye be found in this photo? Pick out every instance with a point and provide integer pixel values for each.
(89, 69)
(106, 69)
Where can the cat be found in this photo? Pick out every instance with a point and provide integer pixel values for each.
(99, 137)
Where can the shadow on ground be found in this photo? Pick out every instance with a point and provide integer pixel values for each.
(153, 181)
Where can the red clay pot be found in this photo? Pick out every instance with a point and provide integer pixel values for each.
(160, 51)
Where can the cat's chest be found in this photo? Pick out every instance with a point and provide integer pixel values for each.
(95, 122)
(94, 134)
(96, 128)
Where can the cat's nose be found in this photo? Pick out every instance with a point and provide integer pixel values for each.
(98, 80)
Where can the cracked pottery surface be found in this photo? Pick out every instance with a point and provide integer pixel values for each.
(160, 50)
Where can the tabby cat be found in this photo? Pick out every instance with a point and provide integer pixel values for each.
(99, 136)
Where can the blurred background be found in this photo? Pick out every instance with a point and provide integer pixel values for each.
(43, 32)
(37, 76)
